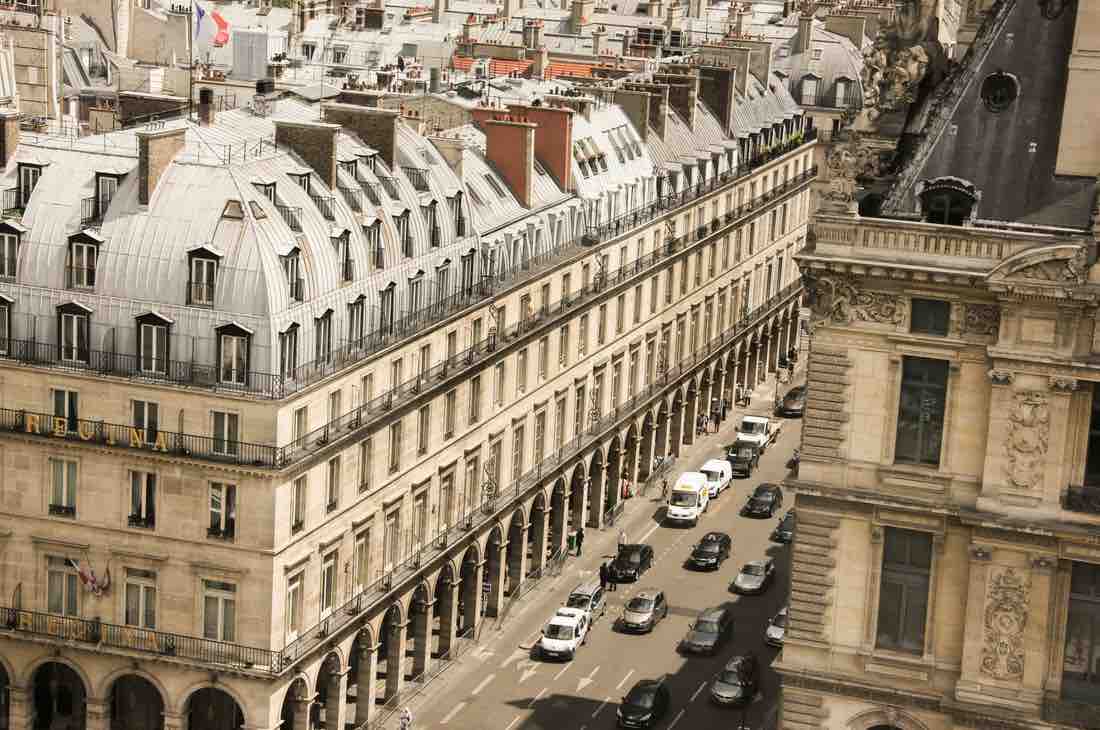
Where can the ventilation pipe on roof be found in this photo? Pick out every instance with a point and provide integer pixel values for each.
(206, 106)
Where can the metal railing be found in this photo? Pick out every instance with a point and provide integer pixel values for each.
(88, 214)
(292, 214)
(324, 204)
(79, 277)
(11, 200)
(418, 176)
(200, 294)
(389, 185)
(352, 197)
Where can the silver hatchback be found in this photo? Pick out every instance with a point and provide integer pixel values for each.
(643, 611)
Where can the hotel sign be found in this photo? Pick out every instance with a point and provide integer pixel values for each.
(111, 434)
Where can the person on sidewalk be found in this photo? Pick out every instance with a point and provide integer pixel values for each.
(664, 489)
(622, 538)
(406, 719)
(580, 540)
(603, 576)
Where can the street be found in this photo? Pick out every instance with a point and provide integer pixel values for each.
(500, 685)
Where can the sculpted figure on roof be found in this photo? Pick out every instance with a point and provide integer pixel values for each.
(898, 59)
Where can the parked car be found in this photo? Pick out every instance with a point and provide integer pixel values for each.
(708, 632)
(744, 457)
(759, 430)
(630, 563)
(689, 498)
(643, 611)
(737, 683)
(709, 552)
(645, 704)
(784, 531)
(589, 597)
(764, 501)
(794, 403)
(718, 473)
(777, 629)
(563, 634)
(755, 577)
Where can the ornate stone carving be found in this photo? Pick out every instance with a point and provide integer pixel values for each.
(1062, 384)
(1001, 377)
(980, 319)
(896, 61)
(977, 552)
(835, 298)
(1006, 610)
(1043, 562)
(1028, 435)
(849, 159)
(1076, 269)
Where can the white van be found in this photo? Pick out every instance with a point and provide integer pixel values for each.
(718, 473)
(688, 499)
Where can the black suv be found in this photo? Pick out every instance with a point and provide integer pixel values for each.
(713, 627)
(743, 458)
(784, 531)
(630, 563)
(709, 552)
(765, 500)
(644, 704)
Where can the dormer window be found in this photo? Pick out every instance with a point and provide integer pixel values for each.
(339, 54)
(373, 235)
(28, 180)
(105, 188)
(323, 340)
(348, 166)
(153, 331)
(292, 264)
(234, 346)
(809, 90)
(302, 179)
(405, 234)
(370, 161)
(288, 351)
(10, 234)
(947, 200)
(342, 243)
(72, 332)
(203, 267)
(83, 254)
(459, 217)
(430, 218)
(267, 190)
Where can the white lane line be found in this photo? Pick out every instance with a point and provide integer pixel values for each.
(602, 704)
(563, 671)
(623, 680)
(512, 724)
(674, 720)
(450, 715)
(696, 693)
(537, 698)
(483, 684)
(651, 531)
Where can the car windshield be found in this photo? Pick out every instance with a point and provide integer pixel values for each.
(559, 631)
(729, 677)
(780, 621)
(640, 604)
(751, 569)
(744, 453)
(712, 476)
(752, 427)
(708, 626)
(640, 698)
(630, 556)
(683, 499)
(707, 547)
(577, 600)
(762, 493)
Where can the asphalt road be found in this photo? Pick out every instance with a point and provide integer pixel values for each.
(500, 686)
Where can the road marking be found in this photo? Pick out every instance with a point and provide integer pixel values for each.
(450, 715)
(563, 671)
(585, 681)
(674, 720)
(537, 698)
(605, 701)
(696, 694)
(517, 654)
(623, 680)
(651, 531)
(484, 683)
(528, 672)
(512, 723)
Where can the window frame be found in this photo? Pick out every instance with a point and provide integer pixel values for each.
(223, 596)
(910, 391)
(143, 490)
(909, 578)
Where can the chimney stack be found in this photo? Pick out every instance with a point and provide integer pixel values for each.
(9, 142)
(697, 8)
(314, 142)
(451, 150)
(156, 150)
(805, 31)
(553, 139)
(598, 34)
(580, 13)
(852, 27)
(206, 106)
(635, 104)
(510, 146)
(376, 128)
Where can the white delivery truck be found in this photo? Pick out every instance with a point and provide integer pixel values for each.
(688, 499)
(718, 473)
(759, 430)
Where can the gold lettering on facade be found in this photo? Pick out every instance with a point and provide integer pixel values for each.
(162, 442)
(32, 423)
(59, 424)
(137, 437)
(85, 431)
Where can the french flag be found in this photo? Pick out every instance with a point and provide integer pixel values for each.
(211, 29)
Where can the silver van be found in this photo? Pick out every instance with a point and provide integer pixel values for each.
(588, 596)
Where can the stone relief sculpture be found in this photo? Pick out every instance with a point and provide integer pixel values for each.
(1028, 436)
(849, 159)
(980, 319)
(835, 299)
(1006, 610)
(1077, 267)
(896, 61)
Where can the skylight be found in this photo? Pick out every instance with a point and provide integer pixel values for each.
(494, 185)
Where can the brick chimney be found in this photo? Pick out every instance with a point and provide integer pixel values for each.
(9, 141)
(376, 128)
(758, 63)
(314, 142)
(718, 89)
(206, 106)
(805, 39)
(510, 146)
(553, 139)
(156, 150)
(635, 104)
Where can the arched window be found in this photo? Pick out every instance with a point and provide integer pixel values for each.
(999, 90)
(948, 201)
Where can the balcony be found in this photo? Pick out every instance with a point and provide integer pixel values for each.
(353, 198)
(325, 204)
(79, 277)
(390, 186)
(200, 294)
(63, 510)
(1084, 499)
(371, 190)
(349, 269)
(297, 289)
(418, 176)
(292, 215)
(147, 522)
(89, 216)
(12, 204)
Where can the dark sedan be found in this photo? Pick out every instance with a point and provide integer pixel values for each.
(713, 627)
(709, 552)
(645, 704)
(630, 563)
(765, 500)
(743, 458)
(784, 531)
(794, 403)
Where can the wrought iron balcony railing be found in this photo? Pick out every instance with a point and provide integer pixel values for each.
(292, 215)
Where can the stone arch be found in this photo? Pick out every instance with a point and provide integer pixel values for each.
(516, 553)
(28, 673)
(294, 707)
(676, 422)
(419, 628)
(691, 410)
(595, 490)
(578, 493)
(105, 684)
(136, 702)
(495, 541)
(391, 643)
(59, 688)
(885, 718)
(199, 690)
(469, 591)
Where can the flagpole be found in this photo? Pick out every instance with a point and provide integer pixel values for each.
(190, 61)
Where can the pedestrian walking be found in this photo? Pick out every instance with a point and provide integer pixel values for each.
(580, 540)
(603, 576)
(664, 489)
(406, 719)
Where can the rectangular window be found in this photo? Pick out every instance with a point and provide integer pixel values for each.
(66, 406)
(620, 314)
(361, 561)
(294, 595)
(298, 504)
(544, 357)
(632, 374)
(143, 499)
(518, 436)
(141, 598)
(423, 428)
(475, 399)
(446, 499)
(328, 583)
(366, 463)
(63, 487)
(638, 304)
(684, 276)
(335, 404)
(920, 411)
(154, 348)
(473, 483)
(563, 346)
(223, 511)
(903, 596)
(521, 371)
(420, 518)
(601, 325)
(582, 344)
(395, 446)
(62, 587)
(559, 422)
(930, 317)
(332, 490)
(226, 433)
(579, 407)
(204, 273)
(74, 337)
(301, 423)
(83, 267)
(219, 614)
(654, 285)
(540, 436)
(498, 385)
(9, 248)
(450, 404)
(234, 359)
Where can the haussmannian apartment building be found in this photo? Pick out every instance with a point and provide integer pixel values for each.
(293, 382)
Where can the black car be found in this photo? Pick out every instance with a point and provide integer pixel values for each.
(736, 684)
(645, 704)
(709, 552)
(765, 500)
(743, 458)
(784, 531)
(630, 563)
(713, 627)
(794, 403)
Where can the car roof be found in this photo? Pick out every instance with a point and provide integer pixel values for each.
(649, 593)
(587, 588)
(646, 685)
(632, 547)
(712, 613)
(572, 614)
(783, 611)
(563, 619)
(713, 536)
(718, 464)
(755, 419)
(761, 563)
(765, 487)
(691, 479)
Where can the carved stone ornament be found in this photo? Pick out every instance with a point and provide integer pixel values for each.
(1062, 384)
(896, 61)
(980, 319)
(1001, 377)
(1028, 437)
(834, 298)
(1076, 269)
(1006, 610)
(848, 159)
